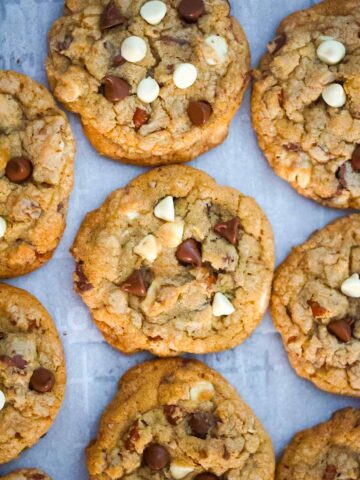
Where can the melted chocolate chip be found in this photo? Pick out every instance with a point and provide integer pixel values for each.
(355, 159)
(191, 10)
(82, 283)
(172, 414)
(279, 42)
(140, 117)
(111, 16)
(229, 230)
(115, 88)
(199, 112)
(42, 380)
(330, 473)
(341, 329)
(189, 253)
(17, 361)
(135, 284)
(156, 457)
(118, 60)
(200, 424)
(18, 169)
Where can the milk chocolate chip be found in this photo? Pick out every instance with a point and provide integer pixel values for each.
(115, 88)
(111, 16)
(42, 380)
(18, 169)
(135, 284)
(341, 329)
(355, 159)
(191, 10)
(229, 230)
(199, 112)
(189, 253)
(156, 457)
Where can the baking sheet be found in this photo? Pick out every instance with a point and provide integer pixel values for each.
(259, 367)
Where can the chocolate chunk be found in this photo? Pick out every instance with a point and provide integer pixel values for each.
(189, 253)
(42, 380)
(17, 361)
(229, 229)
(18, 169)
(317, 310)
(355, 159)
(278, 42)
(65, 44)
(199, 112)
(111, 16)
(82, 283)
(191, 10)
(156, 457)
(330, 473)
(200, 424)
(341, 329)
(115, 88)
(172, 414)
(135, 284)
(140, 117)
(118, 60)
(206, 476)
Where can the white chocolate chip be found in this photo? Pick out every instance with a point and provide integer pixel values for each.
(202, 391)
(147, 248)
(170, 234)
(221, 305)
(218, 50)
(148, 90)
(3, 227)
(185, 75)
(179, 469)
(153, 12)
(133, 49)
(2, 400)
(165, 209)
(331, 52)
(334, 95)
(351, 286)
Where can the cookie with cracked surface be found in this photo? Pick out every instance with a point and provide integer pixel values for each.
(175, 263)
(305, 103)
(179, 419)
(153, 82)
(328, 451)
(316, 307)
(32, 371)
(26, 474)
(36, 174)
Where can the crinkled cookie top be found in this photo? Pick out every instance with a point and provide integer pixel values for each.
(178, 419)
(306, 108)
(316, 307)
(36, 164)
(32, 372)
(329, 451)
(101, 52)
(26, 474)
(175, 263)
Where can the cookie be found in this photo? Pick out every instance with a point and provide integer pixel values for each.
(329, 451)
(32, 371)
(36, 174)
(179, 419)
(316, 307)
(26, 474)
(175, 263)
(305, 103)
(154, 82)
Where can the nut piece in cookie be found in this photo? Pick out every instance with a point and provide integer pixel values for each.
(305, 103)
(156, 427)
(32, 375)
(316, 307)
(328, 451)
(154, 82)
(175, 263)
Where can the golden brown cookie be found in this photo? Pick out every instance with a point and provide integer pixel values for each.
(32, 371)
(316, 307)
(26, 474)
(305, 103)
(328, 451)
(153, 82)
(175, 263)
(36, 174)
(179, 419)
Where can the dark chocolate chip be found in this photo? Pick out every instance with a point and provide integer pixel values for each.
(229, 230)
(111, 16)
(118, 60)
(115, 88)
(330, 473)
(42, 380)
(199, 112)
(278, 43)
(135, 284)
(355, 159)
(200, 424)
(189, 253)
(82, 283)
(341, 329)
(191, 10)
(206, 476)
(156, 457)
(17, 361)
(140, 117)
(18, 169)
(341, 175)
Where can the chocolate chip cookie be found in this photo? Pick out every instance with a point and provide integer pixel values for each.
(32, 372)
(329, 451)
(154, 82)
(36, 174)
(26, 474)
(305, 103)
(175, 263)
(316, 307)
(178, 419)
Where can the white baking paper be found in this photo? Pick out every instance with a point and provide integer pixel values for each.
(258, 368)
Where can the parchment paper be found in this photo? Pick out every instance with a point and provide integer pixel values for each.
(258, 368)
